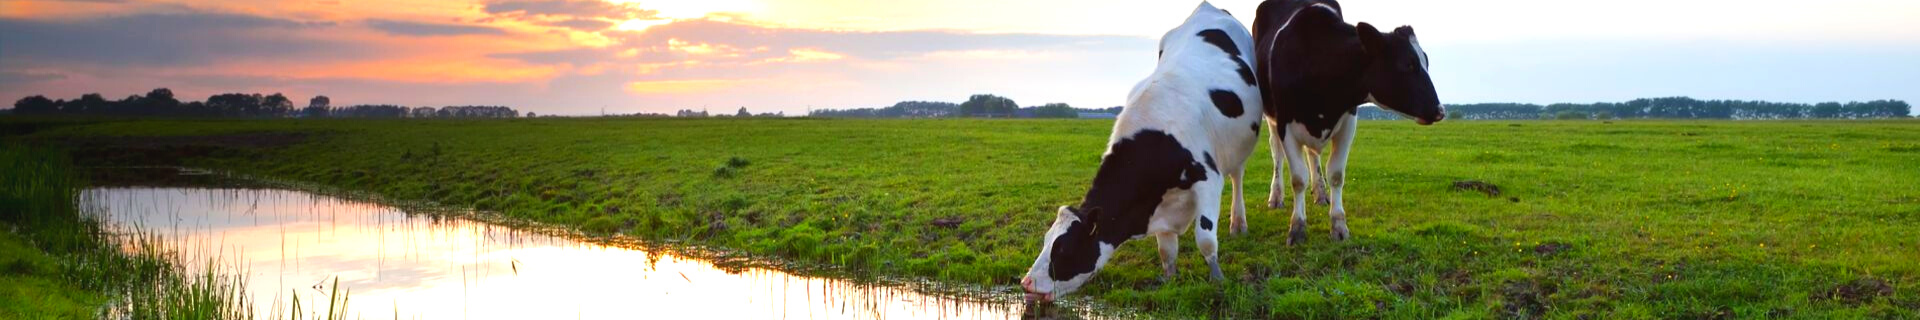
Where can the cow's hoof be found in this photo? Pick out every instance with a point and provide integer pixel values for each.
(1273, 204)
(1339, 227)
(1297, 233)
(1238, 228)
(1216, 275)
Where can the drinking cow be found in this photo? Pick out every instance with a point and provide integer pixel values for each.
(1184, 134)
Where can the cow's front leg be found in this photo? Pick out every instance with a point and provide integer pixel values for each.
(1296, 164)
(1207, 211)
(1276, 144)
(1337, 176)
(1169, 250)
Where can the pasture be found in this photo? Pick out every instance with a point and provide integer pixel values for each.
(1619, 220)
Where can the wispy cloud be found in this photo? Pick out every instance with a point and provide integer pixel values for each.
(581, 24)
(161, 39)
(566, 9)
(428, 29)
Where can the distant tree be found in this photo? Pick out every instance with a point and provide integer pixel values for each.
(903, 109)
(276, 105)
(88, 103)
(1055, 110)
(318, 107)
(743, 113)
(1827, 110)
(35, 105)
(320, 101)
(531, 115)
(987, 105)
(159, 102)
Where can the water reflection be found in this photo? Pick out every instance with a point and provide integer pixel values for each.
(398, 265)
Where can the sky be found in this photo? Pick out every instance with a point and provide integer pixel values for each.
(587, 57)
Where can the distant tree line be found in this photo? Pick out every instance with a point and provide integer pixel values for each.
(161, 103)
(743, 113)
(1669, 108)
(979, 105)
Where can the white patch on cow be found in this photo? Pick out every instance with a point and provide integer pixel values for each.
(1304, 137)
(1175, 99)
(1422, 53)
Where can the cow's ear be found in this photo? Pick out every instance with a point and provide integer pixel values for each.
(1403, 30)
(1370, 38)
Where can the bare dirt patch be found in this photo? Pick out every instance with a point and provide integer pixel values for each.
(1479, 186)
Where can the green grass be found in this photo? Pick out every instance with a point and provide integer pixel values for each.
(1621, 220)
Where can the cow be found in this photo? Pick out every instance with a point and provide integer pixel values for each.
(1315, 70)
(1185, 132)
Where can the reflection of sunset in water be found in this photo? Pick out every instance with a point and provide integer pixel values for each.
(427, 268)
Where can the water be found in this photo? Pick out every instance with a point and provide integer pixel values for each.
(413, 266)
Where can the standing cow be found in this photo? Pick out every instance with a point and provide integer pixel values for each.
(1185, 133)
(1316, 70)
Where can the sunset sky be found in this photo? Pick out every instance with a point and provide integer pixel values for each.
(583, 56)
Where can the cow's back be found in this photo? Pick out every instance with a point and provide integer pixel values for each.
(1204, 83)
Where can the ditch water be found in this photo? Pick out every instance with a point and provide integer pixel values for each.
(397, 264)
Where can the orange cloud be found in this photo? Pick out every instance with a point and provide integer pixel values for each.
(683, 86)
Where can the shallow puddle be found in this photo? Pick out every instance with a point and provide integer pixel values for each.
(414, 266)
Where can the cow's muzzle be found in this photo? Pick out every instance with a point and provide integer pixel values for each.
(1026, 284)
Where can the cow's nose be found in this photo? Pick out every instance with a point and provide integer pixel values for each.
(1026, 283)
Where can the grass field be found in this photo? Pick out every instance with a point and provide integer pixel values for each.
(1622, 220)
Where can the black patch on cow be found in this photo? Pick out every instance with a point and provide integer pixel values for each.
(1225, 43)
(1220, 39)
(1228, 103)
(1205, 223)
(1256, 127)
(1129, 185)
(1208, 156)
(1310, 71)
(1074, 252)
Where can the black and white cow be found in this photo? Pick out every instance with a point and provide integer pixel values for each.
(1315, 71)
(1185, 133)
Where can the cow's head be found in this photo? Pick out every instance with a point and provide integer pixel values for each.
(1068, 257)
(1396, 75)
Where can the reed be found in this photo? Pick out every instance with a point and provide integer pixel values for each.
(70, 264)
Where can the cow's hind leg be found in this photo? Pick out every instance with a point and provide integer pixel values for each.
(1337, 176)
(1276, 144)
(1169, 250)
(1319, 177)
(1239, 214)
(1297, 165)
(1207, 212)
